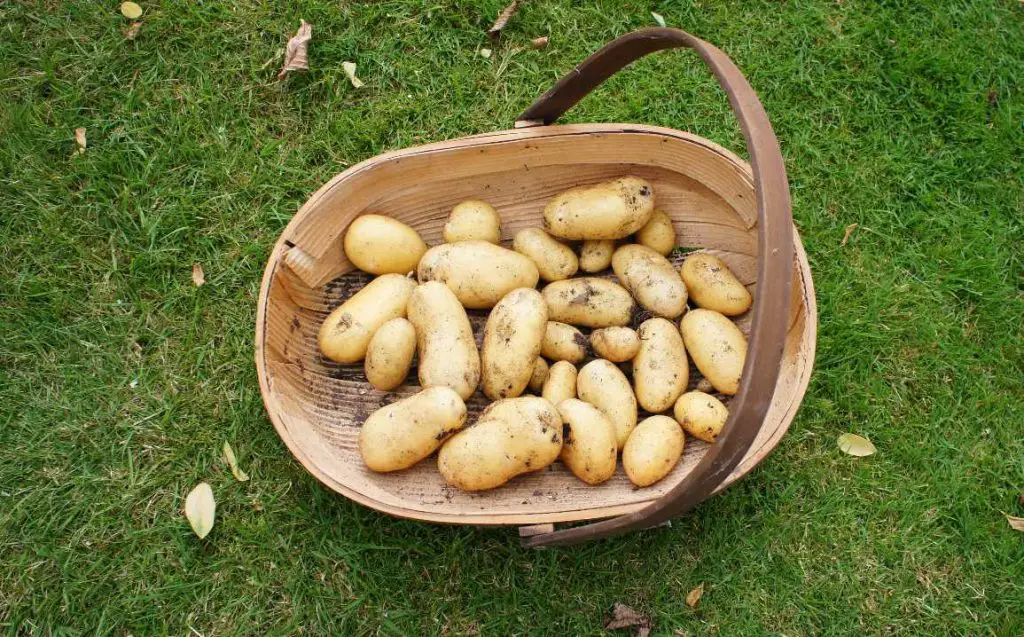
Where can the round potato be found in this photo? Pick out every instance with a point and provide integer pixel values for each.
(389, 355)
(660, 369)
(659, 234)
(610, 210)
(617, 344)
(444, 340)
(512, 437)
(561, 383)
(651, 278)
(596, 255)
(399, 435)
(554, 260)
(713, 286)
(540, 374)
(588, 301)
(383, 245)
(701, 415)
(717, 346)
(346, 332)
(512, 337)
(473, 220)
(604, 386)
(589, 448)
(479, 273)
(653, 450)
(563, 343)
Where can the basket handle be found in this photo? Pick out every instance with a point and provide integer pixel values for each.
(769, 316)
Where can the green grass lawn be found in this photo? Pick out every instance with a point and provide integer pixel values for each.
(119, 379)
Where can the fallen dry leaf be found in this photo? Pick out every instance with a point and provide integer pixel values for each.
(539, 43)
(229, 457)
(198, 277)
(296, 58)
(503, 18)
(658, 18)
(201, 509)
(80, 140)
(855, 445)
(131, 10)
(1017, 524)
(486, 53)
(625, 617)
(693, 597)
(132, 30)
(846, 233)
(350, 71)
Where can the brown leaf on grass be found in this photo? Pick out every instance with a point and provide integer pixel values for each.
(1017, 524)
(693, 597)
(350, 72)
(855, 445)
(232, 462)
(539, 43)
(80, 140)
(132, 31)
(503, 18)
(296, 57)
(846, 233)
(198, 277)
(625, 617)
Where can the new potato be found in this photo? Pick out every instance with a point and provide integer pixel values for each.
(561, 383)
(659, 234)
(651, 278)
(653, 450)
(478, 272)
(701, 415)
(346, 332)
(589, 448)
(713, 286)
(383, 245)
(399, 435)
(563, 342)
(609, 210)
(554, 260)
(596, 255)
(604, 386)
(444, 338)
(473, 220)
(512, 339)
(617, 344)
(660, 369)
(390, 353)
(717, 346)
(588, 301)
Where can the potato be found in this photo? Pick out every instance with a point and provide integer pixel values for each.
(473, 220)
(512, 337)
(701, 415)
(399, 435)
(596, 255)
(589, 448)
(604, 386)
(444, 340)
(660, 369)
(651, 279)
(540, 374)
(563, 343)
(717, 346)
(554, 260)
(512, 437)
(382, 245)
(389, 356)
(346, 332)
(588, 301)
(713, 286)
(479, 273)
(561, 383)
(617, 344)
(653, 450)
(610, 210)
(659, 234)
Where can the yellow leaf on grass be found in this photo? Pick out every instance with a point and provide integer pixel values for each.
(658, 18)
(350, 71)
(229, 457)
(855, 445)
(201, 509)
(485, 53)
(693, 597)
(131, 10)
(1017, 524)
(80, 140)
(198, 276)
(846, 233)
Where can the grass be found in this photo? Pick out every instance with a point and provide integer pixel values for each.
(119, 379)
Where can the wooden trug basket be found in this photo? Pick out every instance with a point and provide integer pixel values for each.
(717, 202)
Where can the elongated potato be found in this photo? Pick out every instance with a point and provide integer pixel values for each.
(713, 286)
(563, 343)
(659, 234)
(701, 415)
(617, 344)
(479, 273)
(596, 255)
(444, 340)
(512, 338)
(589, 448)
(383, 245)
(540, 374)
(561, 383)
(554, 260)
(610, 210)
(346, 332)
(660, 369)
(588, 301)
(717, 346)
(473, 220)
(512, 437)
(399, 435)
(390, 353)
(604, 386)
(651, 278)
(653, 450)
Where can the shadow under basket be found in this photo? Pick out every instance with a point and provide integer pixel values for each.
(717, 203)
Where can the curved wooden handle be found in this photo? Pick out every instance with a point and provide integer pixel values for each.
(770, 313)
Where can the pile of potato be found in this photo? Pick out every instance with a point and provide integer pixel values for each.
(585, 417)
